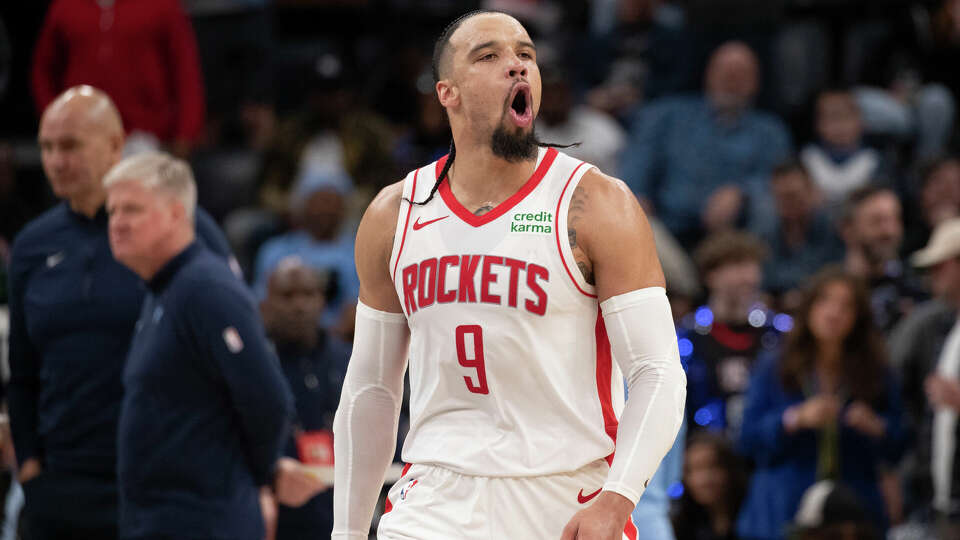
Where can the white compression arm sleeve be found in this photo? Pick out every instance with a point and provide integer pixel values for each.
(644, 343)
(365, 426)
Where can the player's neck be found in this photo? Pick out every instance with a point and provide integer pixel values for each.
(479, 178)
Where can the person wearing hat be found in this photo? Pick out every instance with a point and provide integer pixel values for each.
(831, 510)
(926, 348)
(319, 203)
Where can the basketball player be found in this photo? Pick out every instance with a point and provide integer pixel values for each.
(490, 269)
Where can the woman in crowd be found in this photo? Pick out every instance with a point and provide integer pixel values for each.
(827, 408)
(714, 482)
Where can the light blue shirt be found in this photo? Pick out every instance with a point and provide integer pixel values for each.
(332, 258)
(652, 514)
(680, 152)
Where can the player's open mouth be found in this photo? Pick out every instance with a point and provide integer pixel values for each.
(521, 111)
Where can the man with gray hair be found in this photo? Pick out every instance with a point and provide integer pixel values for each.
(72, 312)
(206, 408)
(925, 346)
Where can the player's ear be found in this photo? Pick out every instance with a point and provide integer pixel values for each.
(448, 93)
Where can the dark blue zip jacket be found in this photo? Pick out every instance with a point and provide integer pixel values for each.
(206, 407)
(72, 312)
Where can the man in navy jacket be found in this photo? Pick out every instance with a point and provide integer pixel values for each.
(206, 408)
(72, 312)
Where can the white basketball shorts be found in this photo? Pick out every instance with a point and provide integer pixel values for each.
(432, 503)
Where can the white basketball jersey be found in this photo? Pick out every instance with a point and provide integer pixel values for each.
(510, 367)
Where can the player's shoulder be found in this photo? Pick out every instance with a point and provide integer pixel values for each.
(386, 204)
(603, 194)
(381, 215)
(378, 226)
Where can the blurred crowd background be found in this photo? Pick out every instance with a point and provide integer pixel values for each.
(791, 155)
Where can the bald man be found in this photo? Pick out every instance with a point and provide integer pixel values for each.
(72, 313)
(700, 160)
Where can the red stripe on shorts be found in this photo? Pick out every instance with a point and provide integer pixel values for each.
(630, 530)
(387, 505)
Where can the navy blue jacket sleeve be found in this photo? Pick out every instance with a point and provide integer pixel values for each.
(210, 235)
(893, 444)
(762, 436)
(228, 329)
(24, 367)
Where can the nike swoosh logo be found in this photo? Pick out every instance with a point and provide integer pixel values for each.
(417, 225)
(582, 499)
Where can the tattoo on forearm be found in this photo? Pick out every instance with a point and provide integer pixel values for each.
(572, 235)
(482, 210)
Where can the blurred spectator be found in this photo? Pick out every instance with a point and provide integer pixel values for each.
(72, 313)
(683, 282)
(832, 511)
(940, 194)
(945, 29)
(721, 341)
(839, 162)
(562, 120)
(235, 45)
(314, 362)
(206, 409)
(828, 408)
(714, 483)
(429, 138)
(926, 348)
(636, 50)
(140, 52)
(801, 236)
(872, 231)
(938, 199)
(904, 69)
(321, 241)
(698, 160)
(333, 131)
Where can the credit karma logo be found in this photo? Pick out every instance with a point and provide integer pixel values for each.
(540, 222)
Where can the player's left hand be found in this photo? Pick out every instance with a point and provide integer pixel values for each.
(602, 520)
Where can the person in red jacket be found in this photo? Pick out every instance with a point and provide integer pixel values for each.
(142, 53)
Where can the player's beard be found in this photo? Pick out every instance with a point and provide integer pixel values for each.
(516, 146)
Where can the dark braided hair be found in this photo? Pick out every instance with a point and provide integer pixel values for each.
(439, 48)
